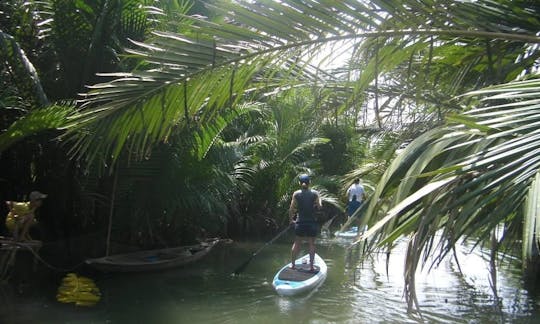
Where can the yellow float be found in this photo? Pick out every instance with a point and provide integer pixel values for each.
(79, 290)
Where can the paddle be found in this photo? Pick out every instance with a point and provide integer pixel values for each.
(326, 225)
(245, 264)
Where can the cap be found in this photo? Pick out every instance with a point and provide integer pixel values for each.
(303, 178)
(35, 195)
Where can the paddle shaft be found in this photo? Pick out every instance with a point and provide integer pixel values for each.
(326, 225)
(244, 265)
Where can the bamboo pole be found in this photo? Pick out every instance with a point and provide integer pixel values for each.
(111, 212)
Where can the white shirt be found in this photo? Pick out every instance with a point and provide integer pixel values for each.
(356, 189)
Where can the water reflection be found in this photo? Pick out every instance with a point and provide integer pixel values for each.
(445, 295)
(352, 293)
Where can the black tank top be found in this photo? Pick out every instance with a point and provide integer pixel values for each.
(305, 200)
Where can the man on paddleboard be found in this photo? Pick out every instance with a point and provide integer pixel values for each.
(352, 206)
(356, 189)
(304, 203)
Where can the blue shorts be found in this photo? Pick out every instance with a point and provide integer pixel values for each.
(306, 229)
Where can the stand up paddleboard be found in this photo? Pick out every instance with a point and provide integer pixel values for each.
(288, 282)
(350, 234)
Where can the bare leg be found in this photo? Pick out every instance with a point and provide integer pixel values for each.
(294, 251)
(16, 230)
(27, 222)
(311, 241)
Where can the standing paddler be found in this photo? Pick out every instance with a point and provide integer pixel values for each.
(304, 203)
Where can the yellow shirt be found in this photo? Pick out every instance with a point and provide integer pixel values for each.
(16, 214)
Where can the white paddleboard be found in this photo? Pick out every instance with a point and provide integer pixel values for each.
(288, 282)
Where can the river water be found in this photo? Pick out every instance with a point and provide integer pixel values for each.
(206, 292)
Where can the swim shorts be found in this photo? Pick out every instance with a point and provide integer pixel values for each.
(308, 229)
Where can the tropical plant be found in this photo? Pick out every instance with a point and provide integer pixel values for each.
(408, 60)
(211, 64)
(174, 195)
(49, 51)
(464, 181)
(281, 146)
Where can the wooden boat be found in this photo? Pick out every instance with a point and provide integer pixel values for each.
(9, 243)
(151, 260)
(288, 282)
(9, 250)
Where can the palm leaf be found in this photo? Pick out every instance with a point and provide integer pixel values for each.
(230, 54)
(207, 135)
(36, 121)
(531, 224)
(23, 72)
(487, 175)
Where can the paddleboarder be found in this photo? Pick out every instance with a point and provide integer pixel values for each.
(356, 189)
(304, 203)
(352, 206)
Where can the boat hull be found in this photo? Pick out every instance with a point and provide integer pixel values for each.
(152, 260)
(289, 282)
(350, 234)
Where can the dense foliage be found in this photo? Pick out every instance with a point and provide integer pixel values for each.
(197, 121)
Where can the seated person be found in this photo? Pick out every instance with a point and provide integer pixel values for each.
(22, 215)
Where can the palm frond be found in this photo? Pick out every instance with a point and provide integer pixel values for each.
(213, 64)
(34, 122)
(531, 224)
(208, 134)
(463, 179)
(22, 71)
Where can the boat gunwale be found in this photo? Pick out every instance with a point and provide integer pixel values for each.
(111, 263)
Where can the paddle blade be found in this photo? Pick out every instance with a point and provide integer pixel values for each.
(242, 267)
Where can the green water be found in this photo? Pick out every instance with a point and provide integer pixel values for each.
(352, 293)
